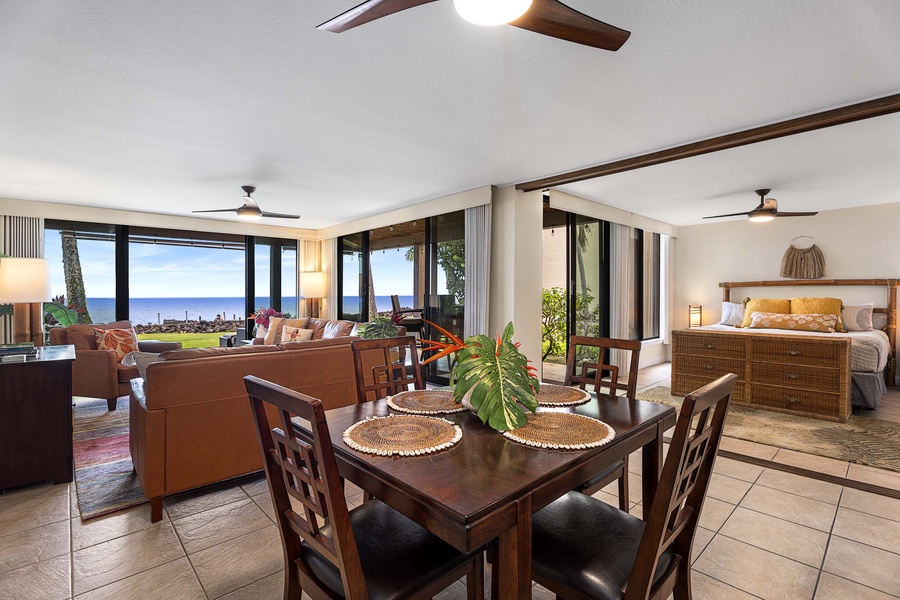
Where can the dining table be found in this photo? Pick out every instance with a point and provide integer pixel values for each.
(485, 488)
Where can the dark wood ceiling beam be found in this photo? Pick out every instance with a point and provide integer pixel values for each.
(829, 118)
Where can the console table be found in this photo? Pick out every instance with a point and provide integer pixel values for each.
(36, 417)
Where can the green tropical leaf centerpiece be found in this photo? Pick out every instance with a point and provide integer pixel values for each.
(493, 375)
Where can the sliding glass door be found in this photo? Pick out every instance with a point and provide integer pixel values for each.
(354, 270)
(446, 276)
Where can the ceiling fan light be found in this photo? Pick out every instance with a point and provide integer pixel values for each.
(761, 216)
(491, 12)
(247, 213)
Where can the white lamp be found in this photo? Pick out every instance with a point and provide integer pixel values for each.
(491, 12)
(25, 283)
(312, 287)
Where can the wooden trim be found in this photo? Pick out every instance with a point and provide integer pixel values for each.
(829, 118)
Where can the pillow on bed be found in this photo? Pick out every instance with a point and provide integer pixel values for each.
(732, 314)
(818, 306)
(764, 305)
(858, 317)
(817, 323)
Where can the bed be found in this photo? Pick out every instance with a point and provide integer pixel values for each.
(818, 375)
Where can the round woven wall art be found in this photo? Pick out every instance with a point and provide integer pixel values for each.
(403, 435)
(562, 431)
(425, 402)
(561, 395)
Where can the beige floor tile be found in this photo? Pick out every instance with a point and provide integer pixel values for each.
(790, 507)
(776, 535)
(748, 448)
(737, 469)
(863, 564)
(104, 563)
(34, 545)
(611, 499)
(701, 539)
(636, 463)
(33, 506)
(75, 510)
(239, 562)
(807, 487)
(868, 529)
(264, 502)
(873, 504)
(107, 528)
(756, 571)
(255, 488)
(704, 587)
(727, 489)
(880, 477)
(715, 513)
(48, 580)
(219, 524)
(635, 491)
(832, 587)
(268, 588)
(174, 579)
(190, 504)
(820, 464)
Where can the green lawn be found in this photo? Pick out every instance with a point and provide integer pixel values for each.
(188, 340)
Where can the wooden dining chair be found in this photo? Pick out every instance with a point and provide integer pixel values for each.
(381, 368)
(583, 548)
(589, 372)
(369, 553)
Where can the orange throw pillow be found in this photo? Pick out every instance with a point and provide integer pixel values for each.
(120, 341)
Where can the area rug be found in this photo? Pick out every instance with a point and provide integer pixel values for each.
(105, 481)
(860, 440)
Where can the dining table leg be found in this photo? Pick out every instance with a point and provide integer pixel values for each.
(652, 468)
(511, 572)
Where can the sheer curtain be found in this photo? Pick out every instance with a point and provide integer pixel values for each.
(667, 283)
(478, 269)
(329, 257)
(622, 288)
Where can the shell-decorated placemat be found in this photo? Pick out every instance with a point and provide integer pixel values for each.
(561, 395)
(425, 402)
(562, 431)
(402, 435)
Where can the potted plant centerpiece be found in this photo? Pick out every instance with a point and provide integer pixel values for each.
(490, 376)
(261, 318)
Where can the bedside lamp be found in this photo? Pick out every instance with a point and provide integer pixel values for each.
(312, 288)
(25, 283)
(695, 315)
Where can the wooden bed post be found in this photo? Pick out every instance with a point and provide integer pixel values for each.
(892, 329)
(726, 291)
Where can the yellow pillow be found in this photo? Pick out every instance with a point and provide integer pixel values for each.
(817, 323)
(764, 305)
(818, 306)
(277, 325)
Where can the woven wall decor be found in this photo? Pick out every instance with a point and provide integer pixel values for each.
(560, 395)
(803, 263)
(403, 435)
(425, 402)
(562, 431)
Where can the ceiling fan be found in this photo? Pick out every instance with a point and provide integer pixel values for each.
(547, 17)
(250, 211)
(766, 211)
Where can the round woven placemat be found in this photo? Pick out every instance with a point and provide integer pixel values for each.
(425, 402)
(561, 395)
(562, 431)
(403, 435)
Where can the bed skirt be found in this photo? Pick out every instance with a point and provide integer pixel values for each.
(867, 389)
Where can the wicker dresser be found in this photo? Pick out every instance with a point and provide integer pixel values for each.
(807, 376)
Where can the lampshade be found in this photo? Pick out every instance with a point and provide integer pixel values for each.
(695, 315)
(24, 280)
(312, 284)
(491, 12)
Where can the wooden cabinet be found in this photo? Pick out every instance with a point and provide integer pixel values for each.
(807, 376)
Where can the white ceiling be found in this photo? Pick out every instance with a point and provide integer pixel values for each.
(171, 106)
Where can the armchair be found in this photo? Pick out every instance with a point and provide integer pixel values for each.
(414, 323)
(97, 373)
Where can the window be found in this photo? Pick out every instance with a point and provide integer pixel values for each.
(352, 290)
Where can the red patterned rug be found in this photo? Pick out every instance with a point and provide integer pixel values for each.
(104, 477)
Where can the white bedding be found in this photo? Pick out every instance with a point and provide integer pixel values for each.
(869, 350)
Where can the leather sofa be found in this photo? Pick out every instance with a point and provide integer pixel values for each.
(97, 373)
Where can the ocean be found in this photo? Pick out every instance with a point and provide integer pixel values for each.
(157, 310)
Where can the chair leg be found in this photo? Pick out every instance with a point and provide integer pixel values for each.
(156, 509)
(623, 489)
(111, 403)
(367, 496)
(292, 589)
(682, 589)
(475, 580)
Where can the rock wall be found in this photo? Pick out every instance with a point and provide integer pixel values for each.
(172, 326)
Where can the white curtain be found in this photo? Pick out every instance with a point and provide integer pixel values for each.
(667, 283)
(22, 237)
(478, 269)
(309, 259)
(622, 287)
(329, 258)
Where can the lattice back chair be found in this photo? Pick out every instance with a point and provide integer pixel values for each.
(379, 374)
(591, 373)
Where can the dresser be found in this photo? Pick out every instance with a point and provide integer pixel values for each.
(800, 375)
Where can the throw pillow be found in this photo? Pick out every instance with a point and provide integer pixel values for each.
(276, 327)
(816, 323)
(858, 317)
(140, 360)
(295, 334)
(732, 314)
(818, 306)
(764, 305)
(121, 341)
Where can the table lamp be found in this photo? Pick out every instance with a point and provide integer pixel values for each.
(695, 316)
(312, 288)
(25, 283)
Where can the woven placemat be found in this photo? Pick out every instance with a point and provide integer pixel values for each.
(562, 431)
(561, 395)
(403, 435)
(425, 402)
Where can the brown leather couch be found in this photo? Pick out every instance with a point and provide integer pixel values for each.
(190, 421)
(97, 373)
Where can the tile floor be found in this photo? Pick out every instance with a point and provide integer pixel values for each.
(764, 534)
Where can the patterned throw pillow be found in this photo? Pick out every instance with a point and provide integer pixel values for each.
(816, 323)
(764, 305)
(818, 306)
(120, 341)
(277, 325)
(732, 314)
(295, 334)
(858, 317)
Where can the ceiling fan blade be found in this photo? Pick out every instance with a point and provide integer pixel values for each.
(279, 215)
(217, 210)
(553, 18)
(366, 12)
(742, 214)
(796, 214)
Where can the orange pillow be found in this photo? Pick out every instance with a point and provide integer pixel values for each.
(121, 341)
